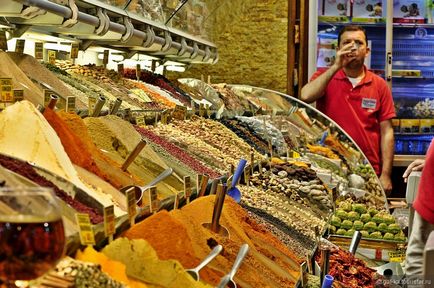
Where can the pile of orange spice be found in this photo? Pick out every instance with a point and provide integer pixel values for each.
(155, 96)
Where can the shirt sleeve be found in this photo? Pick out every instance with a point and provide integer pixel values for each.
(387, 109)
(317, 74)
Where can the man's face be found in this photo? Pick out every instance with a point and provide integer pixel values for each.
(355, 41)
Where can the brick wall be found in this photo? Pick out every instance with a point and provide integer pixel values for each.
(251, 37)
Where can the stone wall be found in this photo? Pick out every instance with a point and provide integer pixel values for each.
(251, 37)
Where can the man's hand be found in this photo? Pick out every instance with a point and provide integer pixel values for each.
(416, 165)
(386, 182)
(344, 56)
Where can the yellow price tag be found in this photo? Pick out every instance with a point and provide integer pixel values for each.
(18, 95)
(6, 94)
(131, 204)
(109, 221)
(39, 50)
(187, 186)
(140, 120)
(85, 229)
(154, 203)
(396, 256)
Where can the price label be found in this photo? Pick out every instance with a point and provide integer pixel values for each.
(6, 93)
(5, 81)
(260, 168)
(397, 256)
(294, 154)
(201, 110)
(85, 229)
(140, 120)
(247, 176)
(164, 117)
(121, 68)
(109, 221)
(19, 46)
(18, 95)
(252, 160)
(179, 112)
(177, 200)
(3, 41)
(207, 111)
(47, 96)
(138, 72)
(154, 204)
(203, 185)
(131, 204)
(71, 103)
(52, 54)
(74, 51)
(39, 50)
(91, 102)
(187, 187)
(105, 58)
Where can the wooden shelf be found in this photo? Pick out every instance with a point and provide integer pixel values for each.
(405, 160)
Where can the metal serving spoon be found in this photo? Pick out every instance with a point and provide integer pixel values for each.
(195, 271)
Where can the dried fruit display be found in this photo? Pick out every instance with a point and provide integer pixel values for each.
(350, 271)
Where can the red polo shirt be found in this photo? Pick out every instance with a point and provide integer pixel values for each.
(425, 195)
(359, 110)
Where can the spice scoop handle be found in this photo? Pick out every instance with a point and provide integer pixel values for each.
(214, 252)
(134, 154)
(240, 257)
(238, 172)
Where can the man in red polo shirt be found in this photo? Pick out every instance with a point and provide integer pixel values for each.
(357, 100)
(423, 222)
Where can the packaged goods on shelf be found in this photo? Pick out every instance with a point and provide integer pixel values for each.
(148, 9)
(369, 11)
(409, 11)
(335, 11)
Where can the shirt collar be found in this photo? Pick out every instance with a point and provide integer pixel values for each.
(367, 79)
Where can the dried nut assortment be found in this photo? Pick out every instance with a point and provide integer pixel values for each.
(295, 245)
(266, 131)
(244, 132)
(194, 146)
(218, 136)
(351, 217)
(78, 274)
(372, 184)
(299, 220)
(424, 109)
(207, 140)
(299, 184)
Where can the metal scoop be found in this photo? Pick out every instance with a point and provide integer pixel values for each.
(215, 226)
(227, 280)
(139, 191)
(233, 191)
(195, 272)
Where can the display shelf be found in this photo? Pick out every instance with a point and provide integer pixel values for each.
(94, 23)
(405, 160)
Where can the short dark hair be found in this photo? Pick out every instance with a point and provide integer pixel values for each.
(352, 28)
